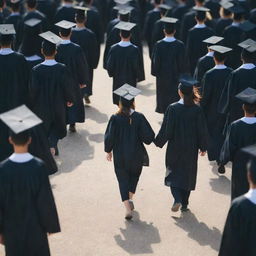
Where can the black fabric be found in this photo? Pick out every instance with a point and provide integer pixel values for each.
(239, 135)
(180, 196)
(48, 8)
(167, 65)
(221, 25)
(37, 15)
(240, 229)
(212, 85)
(184, 128)
(65, 13)
(124, 65)
(27, 208)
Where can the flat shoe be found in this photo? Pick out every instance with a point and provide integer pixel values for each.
(176, 207)
(128, 216)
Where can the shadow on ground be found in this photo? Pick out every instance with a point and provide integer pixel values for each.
(146, 89)
(199, 231)
(138, 236)
(221, 185)
(95, 115)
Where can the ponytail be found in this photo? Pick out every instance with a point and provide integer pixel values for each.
(192, 98)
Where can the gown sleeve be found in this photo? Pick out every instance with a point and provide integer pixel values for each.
(109, 138)
(146, 133)
(155, 61)
(1, 211)
(69, 85)
(202, 131)
(82, 68)
(166, 132)
(110, 63)
(206, 91)
(33, 88)
(46, 206)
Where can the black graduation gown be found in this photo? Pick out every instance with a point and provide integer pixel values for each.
(188, 21)
(204, 64)
(27, 208)
(65, 13)
(51, 87)
(221, 25)
(87, 40)
(17, 22)
(74, 58)
(37, 15)
(48, 8)
(239, 135)
(240, 229)
(196, 48)
(184, 128)
(157, 34)
(167, 64)
(239, 80)
(152, 17)
(125, 137)
(212, 86)
(233, 35)
(124, 65)
(33, 63)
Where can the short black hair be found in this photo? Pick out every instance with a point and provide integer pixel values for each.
(238, 16)
(219, 56)
(6, 40)
(158, 1)
(169, 28)
(201, 16)
(125, 34)
(65, 32)
(80, 18)
(200, 1)
(21, 138)
(247, 57)
(226, 12)
(48, 48)
(15, 6)
(252, 169)
(249, 108)
(31, 3)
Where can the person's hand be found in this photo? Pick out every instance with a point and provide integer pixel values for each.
(69, 104)
(82, 86)
(202, 153)
(109, 156)
(1, 239)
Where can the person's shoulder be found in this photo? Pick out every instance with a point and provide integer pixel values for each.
(4, 164)
(239, 202)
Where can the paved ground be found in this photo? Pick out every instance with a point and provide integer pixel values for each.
(90, 210)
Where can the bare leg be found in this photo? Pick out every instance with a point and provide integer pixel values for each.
(128, 215)
(130, 200)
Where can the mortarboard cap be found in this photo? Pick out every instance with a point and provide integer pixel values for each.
(20, 119)
(169, 20)
(247, 26)
(213, 40)
(7, 29)
(65, 24)
(126, 26)
(201, 9)
(82, 8)
(186, 83)
(226, 4)
(127, 92)
(122, 2)
(32, 22)
(220, 49)
(236, 9)
(51, 37)
(249, 45)
(247, 96)
(124, 10)
(165, 7)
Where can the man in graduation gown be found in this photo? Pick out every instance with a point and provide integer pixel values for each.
(206, 62)
(212, 85)
(167, 64)
(51, 91)
(74, 58)
(239, 234)
(65, 12)
(27, 209)
(15, 18)
(241, 133)
(240, 79)
(87, 40)
(151, 18)
(196, 48)
(14, 78)
(124, 61)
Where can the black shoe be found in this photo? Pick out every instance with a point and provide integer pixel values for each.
(176, 207)
(72, 128)
(184, 209)
(128, 216)
(221, 169)
(87, 99)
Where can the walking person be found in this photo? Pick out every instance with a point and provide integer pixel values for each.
(184, 128)
(126, 132)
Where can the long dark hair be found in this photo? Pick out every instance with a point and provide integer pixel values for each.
(125, 108)
(192, 98)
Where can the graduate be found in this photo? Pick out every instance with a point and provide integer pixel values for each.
(151, 18)
(15, 18)
(66, 12)
(226, 17)
(31, 42)
(124, 61)
(212, 86)
(240, 228)
(249, 29)
(74, 58)
(206, 62)
(233, 35)
(180, 10)
(28, 212)
(196, 48)
(185, 129)
(13, 85)
(126, 133)
(51, 91)
(168, 60)
(239, 80)
(87, 40)
(241, 133)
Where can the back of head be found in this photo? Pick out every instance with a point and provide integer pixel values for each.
(201, 16)
(65, 32)
(250, 108)
(32, 3)
(247, 57)
(6, 40)
(238, 17)
(125, 34)
(125, 107)
(48, 48)
(157, 2)
(20, 139)
(219, 56)
(169, 29)
(15, 6)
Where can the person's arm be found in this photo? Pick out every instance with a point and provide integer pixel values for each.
(82, 69)
(109, 139)
(146, 132)
(155, 61)
(206, 91)
(202, 133)
(110, 63)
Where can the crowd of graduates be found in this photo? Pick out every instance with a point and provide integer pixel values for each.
(203, 56)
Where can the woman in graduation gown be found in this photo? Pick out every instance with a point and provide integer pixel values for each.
(126, 132)
(241, 133)
(167, 64)
(184, 128)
